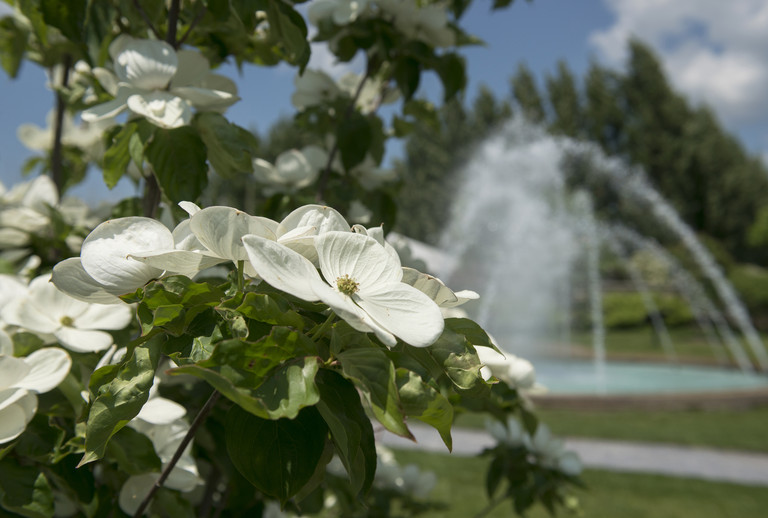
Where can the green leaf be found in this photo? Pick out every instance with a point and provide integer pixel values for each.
(426, 404)
(178, 158)
(117, 156)
(407, 73)
(452, 71)
(277, 456)
(452, 355)
(351, 430)
(374, 374)
(471, 330)
(120, 399)
(13, 44)
(265, 308)
(289, 27)
(424, 111)
(67, 16)
(254, 376)
(179, 289)
(354, 137)
(24, 490)
(229, 146)
(133, 452)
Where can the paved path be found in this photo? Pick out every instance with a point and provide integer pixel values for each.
(666, 459)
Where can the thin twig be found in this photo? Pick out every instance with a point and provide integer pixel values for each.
(323, 181)
(179, 451)
(192, 26)
(173, 21)
(146, 19)
(152, 195)
(57, 159)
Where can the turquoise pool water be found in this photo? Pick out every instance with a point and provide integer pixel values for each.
(579, 377)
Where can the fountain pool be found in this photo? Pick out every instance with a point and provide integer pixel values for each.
(519, 236)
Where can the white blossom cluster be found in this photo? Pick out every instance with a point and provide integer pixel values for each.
(547, 448)
(313, 254)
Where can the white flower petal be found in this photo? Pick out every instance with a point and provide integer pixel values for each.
(161, 108)
(203, 98)
(83, 340)
(50, 301)
(159, 410)
(34, 137)
(221, 229)
(70, 277)
(345, 308)
(147, 64)
(111, 108)
(189, 207)
(282, 268)
(360, 257)
(182, 262)
(12, 371)
(192, 68)
(107, 79)
(6, 346)
(405, 312)
(297, 229)
(48, 367)
(24, 314)
(104, 316)
(24, 218)
(105, 252)
(17, 407)
(134, 490)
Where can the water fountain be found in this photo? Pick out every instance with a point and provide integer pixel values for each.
(520, 236)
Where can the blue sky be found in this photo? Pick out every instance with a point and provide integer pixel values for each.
(716, 52)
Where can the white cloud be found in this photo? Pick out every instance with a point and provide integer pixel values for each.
(715, 51)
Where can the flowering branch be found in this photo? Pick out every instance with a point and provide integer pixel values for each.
(56, 151)
(179, 451)
(323, 181)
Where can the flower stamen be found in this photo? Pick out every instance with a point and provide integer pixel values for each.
(347, 285)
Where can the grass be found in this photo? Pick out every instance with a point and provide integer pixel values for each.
(688, 342)
(609, 495)
(727, 429)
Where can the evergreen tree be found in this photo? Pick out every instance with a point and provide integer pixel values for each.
(567, 106)
(526, 94)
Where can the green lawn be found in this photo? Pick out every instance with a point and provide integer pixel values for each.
(729, 429)
(688, 342)
(609, 495)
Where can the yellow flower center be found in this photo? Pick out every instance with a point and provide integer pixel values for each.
(347, 285)
(66, 321)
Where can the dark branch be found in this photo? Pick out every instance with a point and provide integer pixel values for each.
(179, 451)
(145, 17)
(57, 158)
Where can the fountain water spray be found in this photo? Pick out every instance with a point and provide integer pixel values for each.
(509, 237)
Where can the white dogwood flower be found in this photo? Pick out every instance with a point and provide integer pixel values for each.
(436, 289)
(77, 325)
(85, 136)
(314, 87)
(155, 81)
(20, 380)
(188, 256)
(516, 371)
(362, 285)
(341, 12)
(105, 268)
(293, 168)
(25, 210)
